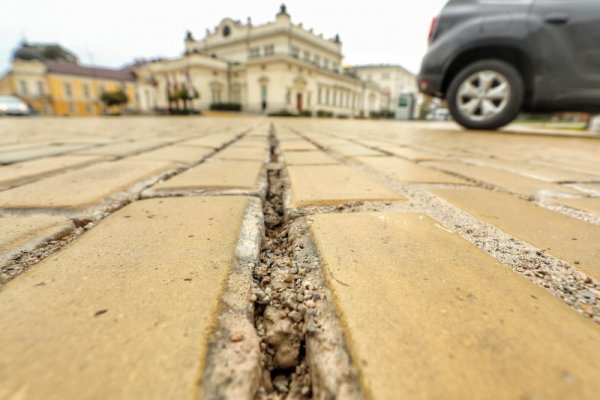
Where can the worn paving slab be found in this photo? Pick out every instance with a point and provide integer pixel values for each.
(180, 154)
(297, 145)
(37, 152)
(126, 148)
(355, 150)
(213, 140)
(593, 188)
(308, 158)
(564, 237)
(11, 175)
(27, 232)
(408, 172)
(242, 154)
(334, 184)
(591, 205)
(82, 188)
(125, 311)
(504, 179)
(415, 155)
(537, 171)
(216, 175)
(429, 316)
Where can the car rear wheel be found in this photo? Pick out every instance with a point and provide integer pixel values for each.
(487, 94)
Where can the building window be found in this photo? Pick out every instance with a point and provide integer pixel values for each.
(40, 86)
(263, 97)
(68, 91)
(326, 63)
(288, 96)
(71, 109)
(306, 56)
(327, 97)
(216, 95)
(334, 102)
(23, 88)
(86, 91)
(295, 52)
(385, 76)
(269, 50)
(317, 59)
(254, 52)
(335, 67)
(88, 109)
(319, 95)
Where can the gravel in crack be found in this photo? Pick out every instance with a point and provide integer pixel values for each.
(282, 302)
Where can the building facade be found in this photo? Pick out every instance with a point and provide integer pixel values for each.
(277, 66)
(64, 87)
(394, 80)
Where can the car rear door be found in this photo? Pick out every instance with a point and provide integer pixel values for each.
(568, 36)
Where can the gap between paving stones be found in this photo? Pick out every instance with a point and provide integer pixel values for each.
(84, 221)
(303, 354)
(573, 286)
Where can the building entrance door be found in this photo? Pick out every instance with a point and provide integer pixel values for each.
(299, 101)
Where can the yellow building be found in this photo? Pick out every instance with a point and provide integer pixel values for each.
(65, 88)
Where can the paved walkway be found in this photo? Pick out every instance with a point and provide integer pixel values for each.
(167, 258)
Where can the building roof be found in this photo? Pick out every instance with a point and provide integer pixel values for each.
(65, 68)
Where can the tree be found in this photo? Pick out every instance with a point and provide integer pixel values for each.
(114, 98)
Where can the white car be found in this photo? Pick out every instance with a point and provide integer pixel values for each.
(11, 105)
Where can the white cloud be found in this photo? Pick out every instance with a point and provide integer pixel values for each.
(114, 32)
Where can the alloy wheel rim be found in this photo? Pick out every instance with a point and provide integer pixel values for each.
(483, 95)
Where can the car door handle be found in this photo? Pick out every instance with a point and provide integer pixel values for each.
(556, 18)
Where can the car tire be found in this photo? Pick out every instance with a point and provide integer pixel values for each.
(486, 95)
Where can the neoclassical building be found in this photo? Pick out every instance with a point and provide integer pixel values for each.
(266, 68)
(395, 80)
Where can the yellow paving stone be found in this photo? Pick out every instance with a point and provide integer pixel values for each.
(408, 172)
(297, 145)
(18, 233)
(20, 146)
(81, 188)
(242, 154)
(503, 179)
(592, 188)
(216, 175)
(126, 148)
(427, 315)
(564, 237)
(308, 158)
(414, 155)
(544, 172)
(334, 184)
(591, 205)
(38, 152)
(27, 170)
(176, 153)
(125, 311)
(253, 142)
(214, 140)
(355, 150)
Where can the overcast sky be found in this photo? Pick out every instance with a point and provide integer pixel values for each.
(114, 32)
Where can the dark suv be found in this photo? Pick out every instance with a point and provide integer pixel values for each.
(490, 59)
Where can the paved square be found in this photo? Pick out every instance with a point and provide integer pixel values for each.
(247, 257)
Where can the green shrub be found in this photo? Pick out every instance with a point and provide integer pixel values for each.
(282, 113)
(305, 113)
(177, 111)
(342, 116)
(226, 107)
(324, 114)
